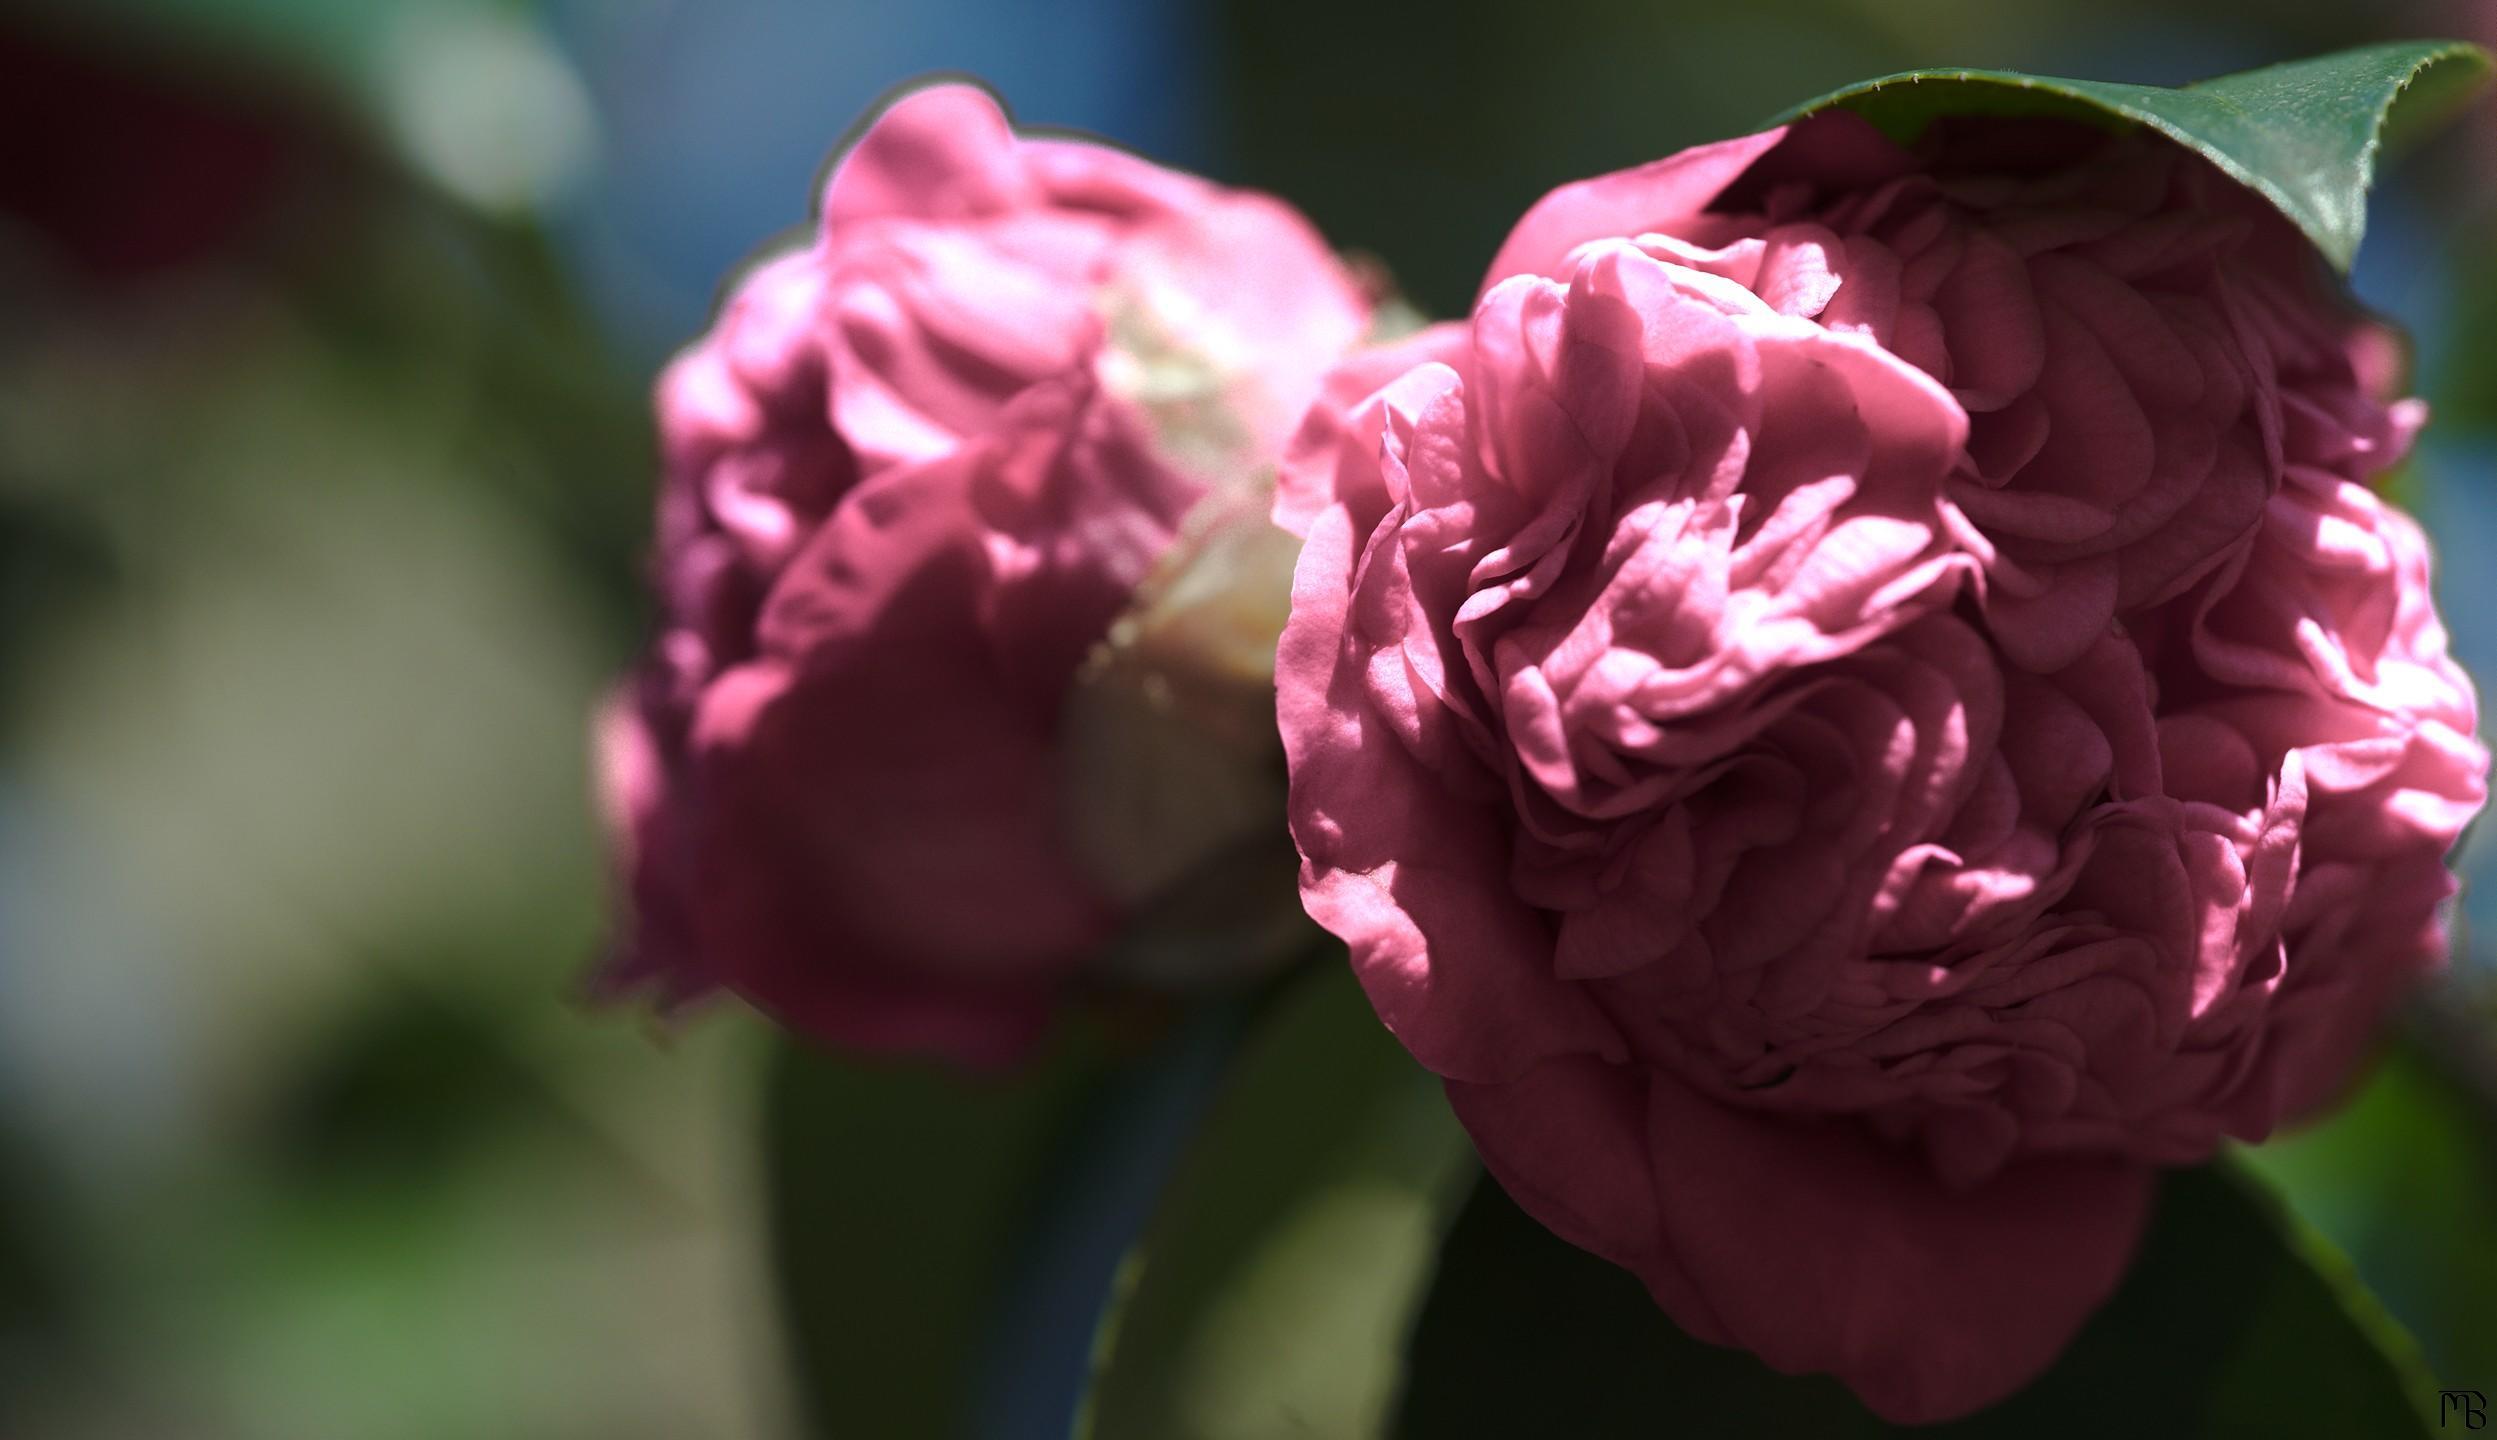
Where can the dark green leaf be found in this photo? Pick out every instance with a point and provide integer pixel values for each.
(2233, 1321)
(2464, 393)
(899, 1198)
(1273, 1288)
(2400, 1180)
(1525, 1334)
(2304, 135)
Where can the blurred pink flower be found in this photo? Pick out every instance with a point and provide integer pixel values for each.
(913, 474)
(1860, 706)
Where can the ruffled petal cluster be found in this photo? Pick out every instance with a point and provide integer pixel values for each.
(913, 475)
(1862, 704)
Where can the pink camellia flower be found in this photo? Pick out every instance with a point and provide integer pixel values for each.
(914, 473)
(1834, 853)
(2323, 641)
(2124, 325)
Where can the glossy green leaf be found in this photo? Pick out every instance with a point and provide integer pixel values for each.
(2233, 1321)
(2304, 135)
(1272, 1291)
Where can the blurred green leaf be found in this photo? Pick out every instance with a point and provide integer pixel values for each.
(900, 1196)
(2400, 1179)
(2464, 387)
(2303, 135)
(1272, 1292)
(2233, 1321)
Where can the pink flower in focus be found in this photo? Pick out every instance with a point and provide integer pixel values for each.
(1860, 706)
(2324, 641)
(913, 474)
(2129, 331)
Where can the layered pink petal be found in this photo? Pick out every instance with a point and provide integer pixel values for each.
(915, 472)
(1863, 705)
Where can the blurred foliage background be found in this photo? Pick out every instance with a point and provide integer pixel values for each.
(325, 331)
